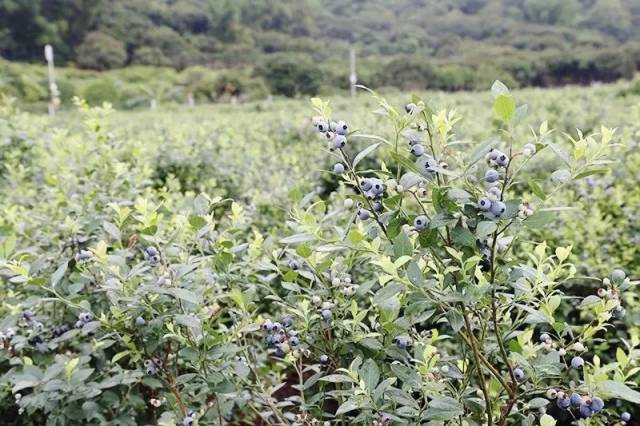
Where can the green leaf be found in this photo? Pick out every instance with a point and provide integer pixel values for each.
(348, 405)
(58, 274)
(402, 245)
(337, 378)
(547, 420)
(463, 237)
(499, 88)
(505, 107)
(184, 294)
(456, 320)
(539, 219)
(197, 221)
(537, 189)
(444, 408)
(370, 373)
(619, 390)
(486, 228)
(362, 154)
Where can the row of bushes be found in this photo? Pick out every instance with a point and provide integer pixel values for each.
(294, 74)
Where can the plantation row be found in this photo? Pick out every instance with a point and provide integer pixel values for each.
(447, 259)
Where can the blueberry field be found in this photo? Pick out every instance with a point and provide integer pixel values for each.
(389, 259)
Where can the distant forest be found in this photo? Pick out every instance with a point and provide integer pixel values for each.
(441, 44)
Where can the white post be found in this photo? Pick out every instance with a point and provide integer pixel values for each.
(353, 77)
(54, 93)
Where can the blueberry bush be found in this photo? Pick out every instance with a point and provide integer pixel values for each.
(422, 264)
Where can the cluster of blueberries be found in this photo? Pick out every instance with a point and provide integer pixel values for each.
(343, 283)
(280, 335)
(586, 406)
(152, 366)
(334, 131)
(152, 256)
(373, 189)
(618, 277)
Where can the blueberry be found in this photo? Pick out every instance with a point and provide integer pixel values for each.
(339, 142)
(152, 370)
(267, 325)
(377, 187)
(269, 340)
(28, 314)
(377, 206)
(324, 359)
(326, 315)
(502, 160)
(564, 403)
(577, 362)
(625, 417)
(140, 322)
(294, 264)
(85, 317)
(152, 255)
(79, 324)
(491, 176)
(323, 127)
(188, 421)
(545, 338)
(618, 312)
(277, 327)
(493, 154)
(618, 276)
(498, 208)
(576, 399)
(597, 404)
(338, 168)
(552, 394)
(420, 222)
(293, 341)
(287, 321)
(519, 374)
(363, 214)
(417, 150)
(585, 411)
(367, 184)
(484, 204)
(402, 342)
(341, 128)
(38, 326)
(83, 256)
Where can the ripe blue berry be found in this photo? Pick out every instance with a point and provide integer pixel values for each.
(597, 404)
(576, 399)
(545, 338)
(625, 417)
(564, 403)
(341, 128)
(28, 315)
(339, 142)
(323, 127)
(293, 341)
(484, 204)
(491, 176)
(140, 322)
(287, 322)
(377, 187)
(502, 160)
(402, 342)
(363, 214)
(294, 264)
(85, 317)
(618, 312)
(417, 150)
(152, 255)
(338, 168)
(326, 315)
(188, 420)
(324, 359)
(493, 154)
(367, 184)
(498, 208)
(577, 362)
(377, 206)
(420, 222)
(585, 411)
(519, 374)
(267, 325)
